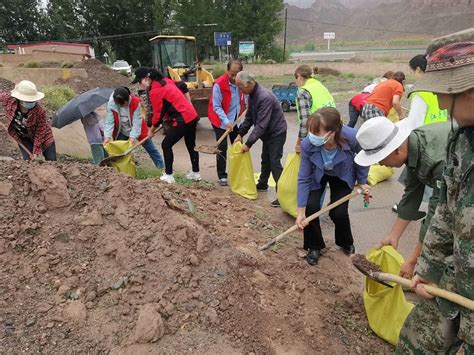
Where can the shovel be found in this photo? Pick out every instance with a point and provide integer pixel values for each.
(19, 143)
(114, 158)
(354, 193)
(374, 272)
(213, 149)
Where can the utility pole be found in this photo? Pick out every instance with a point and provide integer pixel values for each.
(284, 36)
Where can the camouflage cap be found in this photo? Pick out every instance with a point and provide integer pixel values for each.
(450, 68)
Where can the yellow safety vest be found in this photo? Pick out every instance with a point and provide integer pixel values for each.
(320, 96)
(434, 113)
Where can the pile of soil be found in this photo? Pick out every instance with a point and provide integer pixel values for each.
(98, 75)
(6, 85)
(96, 262)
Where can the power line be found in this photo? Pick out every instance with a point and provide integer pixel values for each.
(360, 28)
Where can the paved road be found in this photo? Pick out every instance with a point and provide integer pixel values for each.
(370, 225)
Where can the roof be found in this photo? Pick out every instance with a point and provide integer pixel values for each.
(189, 38)
(13, 46)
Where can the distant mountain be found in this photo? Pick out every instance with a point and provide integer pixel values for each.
(362, 20)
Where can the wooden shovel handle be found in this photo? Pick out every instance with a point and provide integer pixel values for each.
(432, 290)
(19, 143)
(228, 130)
(312, 217)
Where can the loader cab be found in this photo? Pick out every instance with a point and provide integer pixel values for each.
(176, 52)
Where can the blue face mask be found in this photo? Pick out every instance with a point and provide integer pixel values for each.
(317, 141)
(27, 105)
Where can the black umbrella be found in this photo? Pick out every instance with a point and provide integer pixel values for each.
(81, 106)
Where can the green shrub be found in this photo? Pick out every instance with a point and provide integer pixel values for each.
(56, 96)
(32, 64)
(218, 70)
(67, 65)
(21, 65)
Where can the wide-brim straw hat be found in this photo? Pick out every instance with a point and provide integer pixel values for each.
(450, 68)
(26, 91)
(379, 137)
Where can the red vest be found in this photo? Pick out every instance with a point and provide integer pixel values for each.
(224, 85)
(134, 105)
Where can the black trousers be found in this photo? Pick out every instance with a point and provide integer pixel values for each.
(49, 153)
(272, 152)
(222, 156)
(174, 134)
(313, 238)
(353, 115)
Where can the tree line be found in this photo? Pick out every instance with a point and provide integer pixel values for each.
(101, 22)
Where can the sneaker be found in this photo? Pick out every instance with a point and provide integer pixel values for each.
(313, 256)
(262, 187)
(395, 208)
(275, 203)
(167, 178)
(349, 250)
(193, 176)
(222, 182)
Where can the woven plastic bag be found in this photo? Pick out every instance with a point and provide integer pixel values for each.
(123, 165)
(379, 173)
(288, 184)
(241, 178)
(386, 308)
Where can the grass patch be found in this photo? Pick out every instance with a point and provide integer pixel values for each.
(218, 70)
(67, 65)
(181, 179)
(56, 96)
(31, 64)
(148, 173)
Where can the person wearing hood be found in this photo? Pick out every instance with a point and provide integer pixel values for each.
(27, 122)
(123, 121)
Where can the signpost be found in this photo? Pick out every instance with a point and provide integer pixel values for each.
(246, 48)
(329, 36)
(223, 39)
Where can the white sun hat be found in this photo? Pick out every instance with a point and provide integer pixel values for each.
(379, 137)
(26, 91)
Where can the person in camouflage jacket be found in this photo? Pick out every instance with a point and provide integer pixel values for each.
(447, 257)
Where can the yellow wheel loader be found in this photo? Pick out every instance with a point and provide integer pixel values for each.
(176, 57)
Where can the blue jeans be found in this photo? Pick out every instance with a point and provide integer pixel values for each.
(150, 148)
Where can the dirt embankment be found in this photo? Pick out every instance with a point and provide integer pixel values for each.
(98, 75)
(95, 262)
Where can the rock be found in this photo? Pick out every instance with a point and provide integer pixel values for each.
(211, 315)
(201, 243)
(91, 296)
(30, 322)
(149, 327)
(193, 259)
(196, 295)
(52, 185)
(358, 349)
(92, 218)
(169, 309)
(40, 208)
(42, 252)
(5, 188)
(167, 252)
(122, 216)
(308, 332)
(120, 283)
(75, 311)
(259, 279)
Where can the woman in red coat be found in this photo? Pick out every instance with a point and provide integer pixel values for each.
(171, 105)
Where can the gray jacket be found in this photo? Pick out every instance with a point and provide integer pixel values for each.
(265, 114)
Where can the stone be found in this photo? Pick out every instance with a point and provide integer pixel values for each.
(211, 315)
(75, 311)
(193, 259)
(30, 322)
(52, 185)
(259, 279)
(5, 188)
(149, 327)
(92, 218)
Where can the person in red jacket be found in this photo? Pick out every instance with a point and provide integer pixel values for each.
(27, 122)
(225, 106)
(170, 104)
(124, 121)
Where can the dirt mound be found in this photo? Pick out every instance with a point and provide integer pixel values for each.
(97, 262)
(6, 85)
(98, 75)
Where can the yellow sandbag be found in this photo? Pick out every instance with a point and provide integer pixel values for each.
(379, 173)
(124, 165)
(393, 115)
(271, 180)
(386, 308)
(241, 179)
(288, 184)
